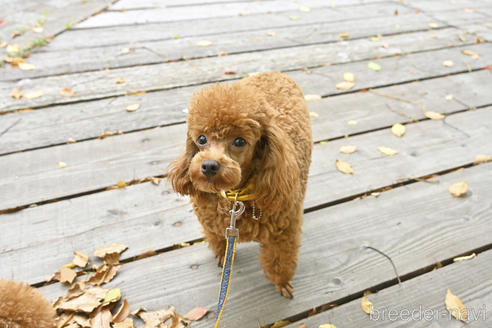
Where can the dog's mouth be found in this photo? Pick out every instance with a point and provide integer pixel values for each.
(226, 178)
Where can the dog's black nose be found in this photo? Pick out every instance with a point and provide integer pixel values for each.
(210, 168)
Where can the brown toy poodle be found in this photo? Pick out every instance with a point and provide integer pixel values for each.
(256, 133)
(22, 306)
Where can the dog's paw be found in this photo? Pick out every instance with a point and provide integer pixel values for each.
(286, 290)
(220, 260)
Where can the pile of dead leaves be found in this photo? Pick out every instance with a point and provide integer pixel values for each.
(88, 305)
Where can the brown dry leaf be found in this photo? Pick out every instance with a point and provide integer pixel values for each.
(312, 97)
(102, 319)
(366, 305)
(132, 108)
(349, 77)
(344, 85)
(455, 306)
(71, 141)
(434, 115)
(119, 80)
(145, 254)
(471, 53)
(387, 150)
(80, 259)
(86, 302)
(482, 158)
(302, 325)
(123, 312)
(137, 312)
(398, 129)
(112, 258)
(155, 180)
(344, 167)
(458, 189)
(112, 248)
(81, 321)
(204, 43)
(62, 165)
(155, 318)
(447, 63)
(63, 319)
(230, 71)
(16, 93)
(349, 149)
(465, 258)
(26, 66)
(67, 92)
(67, 275)
(75, 290)
(34, 95)
(104, 273)
(196, 314)
(127, 323)
(352, 122)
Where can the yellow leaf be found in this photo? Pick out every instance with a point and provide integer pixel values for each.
(33, 95)
(67, 92)
(313, 114)
(312, 97)
(37, 29)
(344, 85)
(204, 43)
(374, 66)
(326, 325)
(349, 149)
(26, 66)
(375, 38)
(12, 49)
(16, 93)
(62, 165)
(448, 63)
(366, 305)
(352, 122)
(344, 35)
(387, 150)
(398, 129)
(433, 25)
(304, 9)
(449, 97)
(434, 115)
(464, 258)
(132, 108)
(349, 77)
(482, 158)
(279, 324)
(71, 141)
(455, 306)
(344, 167)
(113, 295)
(458, 189)
(471, 53)
(294, 18)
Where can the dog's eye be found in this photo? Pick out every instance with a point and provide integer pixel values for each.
(239, 142)
(202, 140)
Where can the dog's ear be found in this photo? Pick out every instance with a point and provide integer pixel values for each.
(178, 174)
(278, 171)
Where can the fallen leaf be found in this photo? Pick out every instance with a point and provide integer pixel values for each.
(102, 319)
(196, 314)
(67, 92)
(271, 33)
(374, 66)
(229, 71)
(468, 10)
(449, 97)
(132, 108)
(280, 323)
(447, 63)
(204, 43)
(26, 66)
(112, 248)
(349, 77)
(349, 149)
(124, 51)
(155, 180)
(119, 80)
(75, 290)
(12, 49)
(375, 38)
(344, 85)
(462, 38)
(326, 325)
(37, 29)
(312, 97)
(294, 18)
(123, 312)
(387, 150)
(62, 165)
(112, 259)
(482, 158)
(67, 275)
(155, 318)
(471, 53)
(3, 44)
(14, 62)
(366, 305)
(352, 122)
(464, 258)
(113, 295)
(433, 25)
(398, 129)
(458, 189)
(33, 95)
(16, 93)
(104, 274)
(86, 303)
(81, 321)
(455, 306)
(434, 115)
(121, 184)
(304, 9)
(80, 259)
(313, 114)
(25, 110)
(344, 167)
(223, 53)
(127, 323)
(344, 35)
(71, 141)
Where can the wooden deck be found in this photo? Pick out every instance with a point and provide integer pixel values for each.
(399, 205)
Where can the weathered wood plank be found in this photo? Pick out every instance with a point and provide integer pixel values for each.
(469, 280)
(429, 225)
(94, 85)
(89, 38)
(456, 141)
(91, 59)
(166, 14)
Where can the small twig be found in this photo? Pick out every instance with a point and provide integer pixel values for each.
(418, 103)
(10, 127)
(389, 258)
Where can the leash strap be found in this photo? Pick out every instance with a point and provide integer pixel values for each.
(231, 239)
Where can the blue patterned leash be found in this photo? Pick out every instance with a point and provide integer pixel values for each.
(232, 234)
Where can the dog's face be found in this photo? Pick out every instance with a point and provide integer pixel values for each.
(223, 127)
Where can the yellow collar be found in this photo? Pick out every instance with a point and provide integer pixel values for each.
(241, 194)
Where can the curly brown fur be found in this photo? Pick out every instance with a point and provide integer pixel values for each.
(269, 112)
(22, 306)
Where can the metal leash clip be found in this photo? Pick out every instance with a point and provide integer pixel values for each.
(235, 213)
